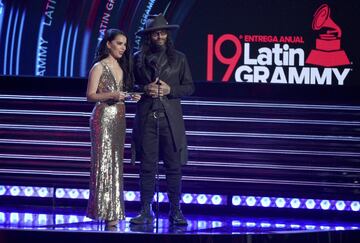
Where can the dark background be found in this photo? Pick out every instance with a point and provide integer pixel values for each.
(197, 18)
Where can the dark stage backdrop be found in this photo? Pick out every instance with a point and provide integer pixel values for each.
(258, 42)
(58, 38)
(274, 42)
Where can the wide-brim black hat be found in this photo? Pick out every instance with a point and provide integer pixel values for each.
(156, 22)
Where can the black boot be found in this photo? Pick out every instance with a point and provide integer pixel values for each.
(146, 215)
(176, 217)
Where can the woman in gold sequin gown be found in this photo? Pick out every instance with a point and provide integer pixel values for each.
(108, 80)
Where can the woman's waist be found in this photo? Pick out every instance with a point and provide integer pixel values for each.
(110, 103)
(118, 106)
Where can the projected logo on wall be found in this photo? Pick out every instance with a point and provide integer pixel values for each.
(281, 59)
(328, 52)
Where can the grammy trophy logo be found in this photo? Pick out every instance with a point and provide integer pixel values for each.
(328, 52)
(282, 59)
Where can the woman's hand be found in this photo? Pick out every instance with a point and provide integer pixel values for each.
(118, 95)
(136, 97)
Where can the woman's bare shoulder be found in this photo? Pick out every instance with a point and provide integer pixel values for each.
(97, 67)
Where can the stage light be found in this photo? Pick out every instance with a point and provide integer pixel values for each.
(130, 196)
(29, 191)
(216, 224)
(59, 193)
(265, 225)
(85, 193)
(161, 223)
(295, 226)
(235, 223)
(81, 193)
(43, 192)
(280, 225)
(187, 198)
(310, 204)
(340, 205)
(67, 50)
(250, 201)
(2, 190)
(28, 218)
(295, 203)
(339, 228)
(355, 206)
(5, 49)
(13, 42)
(310, 227)
(42, 219)
(216, 200)
(202, 224)
(73, 193)
(73, 51)
(2, 7)
(161, 197)
(14, 218)
(250, 224)
(19, 42)
(265, 201)
(73, 219)
(137, 194)
(14, 191)
(236, 200)
(84, 52)
(59, 219)
(201, 199)
(2, 218)
(280, 202)
(325, 204)
(86, 219)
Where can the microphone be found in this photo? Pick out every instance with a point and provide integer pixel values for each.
(152, 62)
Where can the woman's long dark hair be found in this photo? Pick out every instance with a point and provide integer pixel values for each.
(125, 61)
(146, 44)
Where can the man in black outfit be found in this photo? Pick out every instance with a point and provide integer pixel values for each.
(164, 75)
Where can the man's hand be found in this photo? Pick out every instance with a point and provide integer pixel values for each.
(154, 90)
(165, 88)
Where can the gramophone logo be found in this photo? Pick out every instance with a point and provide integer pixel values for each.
(328, 52)
(281, 59)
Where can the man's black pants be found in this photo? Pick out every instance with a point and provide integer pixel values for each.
(152, 150)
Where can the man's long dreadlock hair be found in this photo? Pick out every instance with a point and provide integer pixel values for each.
(146, 44)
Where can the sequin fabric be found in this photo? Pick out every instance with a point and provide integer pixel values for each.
(107, 130)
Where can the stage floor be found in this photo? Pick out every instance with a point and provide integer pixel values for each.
(70, 225)
(68, 219)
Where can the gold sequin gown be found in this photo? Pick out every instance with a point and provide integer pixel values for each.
(107, 130)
